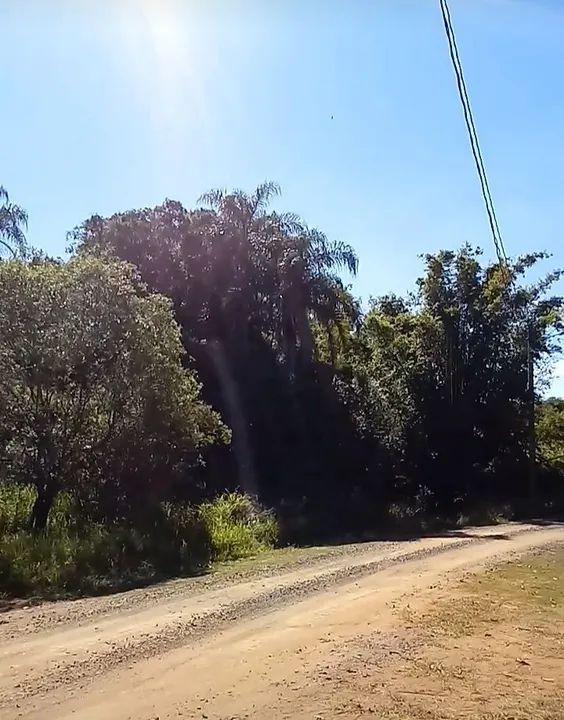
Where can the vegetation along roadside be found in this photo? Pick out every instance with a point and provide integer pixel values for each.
(184, 369)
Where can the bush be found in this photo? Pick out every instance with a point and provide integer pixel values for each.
(15, 507)
(238, 526)
(92, 557)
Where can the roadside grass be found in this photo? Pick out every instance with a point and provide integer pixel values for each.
(489, 646)
(273, 560)
(238, 526)
(232, 536)
(533, 585)
(493, 647)
(535, 582)
(92, 558)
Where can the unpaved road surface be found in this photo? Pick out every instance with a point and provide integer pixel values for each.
(222, 648)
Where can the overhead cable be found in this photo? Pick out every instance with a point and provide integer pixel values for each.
(473, 134)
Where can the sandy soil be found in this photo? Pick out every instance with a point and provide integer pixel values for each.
(275, 643)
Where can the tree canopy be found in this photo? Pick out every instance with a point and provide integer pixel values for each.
(335, 411)
(93, 395)
(424, 396)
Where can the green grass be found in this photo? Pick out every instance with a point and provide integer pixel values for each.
(273, 560)
(91, 557)
(238, 527)
(95, 560)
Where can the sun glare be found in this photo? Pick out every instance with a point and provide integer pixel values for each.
(162, 52)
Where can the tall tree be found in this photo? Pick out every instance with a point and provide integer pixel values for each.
(246, 282)
(456, 362)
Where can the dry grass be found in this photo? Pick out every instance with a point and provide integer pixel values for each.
(491, 649)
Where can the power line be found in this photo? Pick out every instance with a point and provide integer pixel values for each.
(494, 226)
(473, 134)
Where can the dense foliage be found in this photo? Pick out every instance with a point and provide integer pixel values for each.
(550, 427)
(93, 395)
(451, 369)
(423, 399)
(183, 354)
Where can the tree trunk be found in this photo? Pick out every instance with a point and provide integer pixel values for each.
(42, 506)
(45, 483)
(306, 336)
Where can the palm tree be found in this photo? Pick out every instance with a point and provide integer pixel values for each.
(278, 274)
(312, 288)
(13, 221)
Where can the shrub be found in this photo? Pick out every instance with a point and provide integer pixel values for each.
(238, 526)
(93, 557)
(15, 507)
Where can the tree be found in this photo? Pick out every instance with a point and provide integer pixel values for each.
(451, 368)
(13, 221)
(231, 267)
(247, 285)
(550, 431)
(93, 395)
(424, 396)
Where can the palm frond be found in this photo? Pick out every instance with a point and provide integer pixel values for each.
(213, 198)
(290, 223)
(7, 248)
(263, 194)
(13, 219)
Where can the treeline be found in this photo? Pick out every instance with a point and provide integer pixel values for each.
(181, 354)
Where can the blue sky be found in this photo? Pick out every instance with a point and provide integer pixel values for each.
(349, 104)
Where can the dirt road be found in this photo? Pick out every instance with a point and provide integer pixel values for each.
(215, 647)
